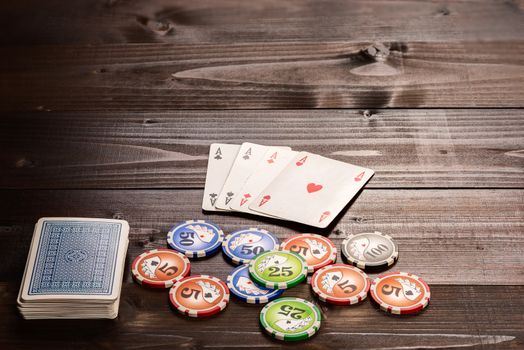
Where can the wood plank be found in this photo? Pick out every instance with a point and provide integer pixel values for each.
(406, 148)
(285, 75)
(447, 236)
(235, 21)
(458, 316)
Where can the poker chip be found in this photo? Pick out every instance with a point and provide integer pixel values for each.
(195, 238)
(160, 268)
(242, 287)
(340, 284)
(278, 269)
(199, 296)
(318, 250)
(290, 319)
(241, 246)
(400, 293)
(370, 251)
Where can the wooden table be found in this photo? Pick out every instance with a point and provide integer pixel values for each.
(108, 108)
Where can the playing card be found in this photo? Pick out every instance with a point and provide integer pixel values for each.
(75, 258)
(221, 158)
(311, 189)
(271, 164)
(244, 164)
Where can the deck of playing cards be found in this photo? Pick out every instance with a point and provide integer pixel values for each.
(280, 183)
(74, 269)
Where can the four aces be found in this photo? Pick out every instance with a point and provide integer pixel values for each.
(279, 182)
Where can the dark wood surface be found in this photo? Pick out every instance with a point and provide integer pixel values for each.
(108, 108)
(437, 148)
(270, 75)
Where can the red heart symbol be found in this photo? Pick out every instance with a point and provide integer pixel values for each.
(312, 187)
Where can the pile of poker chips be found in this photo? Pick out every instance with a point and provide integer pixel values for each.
(267, 267)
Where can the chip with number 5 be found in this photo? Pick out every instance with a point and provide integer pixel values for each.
(160, 268)
(340, 284)
(199, 296)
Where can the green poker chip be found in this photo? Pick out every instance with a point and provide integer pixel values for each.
(290, 319)
(278, 269)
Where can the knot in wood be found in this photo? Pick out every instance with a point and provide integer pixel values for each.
(25, 163)
(148, 121)
(443, 11)
(378, 51)
(161, 26)
(118, 216)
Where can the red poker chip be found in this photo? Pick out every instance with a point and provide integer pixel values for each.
(199, 296)
(340, 284)
(400, 293)
(160, 268)
(318, 250)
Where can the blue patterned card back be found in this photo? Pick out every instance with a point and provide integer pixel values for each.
(75, 257)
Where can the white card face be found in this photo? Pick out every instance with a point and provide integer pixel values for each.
(272, 163)
(221, 158)
(311, 190)
(245, 162)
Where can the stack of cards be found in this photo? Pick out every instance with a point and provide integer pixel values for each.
(280, 183)
(74, 269)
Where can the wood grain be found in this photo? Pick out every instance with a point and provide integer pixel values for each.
(283, 75)
(406, 148)
(99, 118)
(147, 322)
(448, 237)
(236, 21)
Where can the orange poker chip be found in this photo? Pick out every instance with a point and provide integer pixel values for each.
(199, 296)
(400, 293)
(340, 284)
(318, 250)
(160, 268)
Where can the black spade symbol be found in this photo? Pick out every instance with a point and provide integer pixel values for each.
(336, 278)
(316, 251)
(208, 295)
(154, 263)
(409, 293)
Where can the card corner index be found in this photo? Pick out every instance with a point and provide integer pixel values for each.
(220, 161)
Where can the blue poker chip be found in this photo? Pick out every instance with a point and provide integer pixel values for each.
(243, 245)
(195, 238)
(243, 287)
